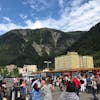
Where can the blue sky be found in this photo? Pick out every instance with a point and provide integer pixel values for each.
(65, 15)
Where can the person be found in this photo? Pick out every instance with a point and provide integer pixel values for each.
(3, 90)
(16, 81)
(36, 92)
(1, 97)
(69, 94)
(89, 83)
(77, 83)
(36, 81)
(83, 83)
(98, 84)
(24, 87)
(47, 89)
(94, 89)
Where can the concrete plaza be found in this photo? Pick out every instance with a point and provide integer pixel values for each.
(83, 96)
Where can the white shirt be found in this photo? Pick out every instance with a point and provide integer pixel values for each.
(94, 85)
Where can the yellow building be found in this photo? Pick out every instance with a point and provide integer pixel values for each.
(72, 61)
(30, 68)
(88, 61)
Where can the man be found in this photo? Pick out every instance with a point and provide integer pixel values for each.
(69, 94)
(77, 82)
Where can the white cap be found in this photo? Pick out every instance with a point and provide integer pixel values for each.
(36, 81)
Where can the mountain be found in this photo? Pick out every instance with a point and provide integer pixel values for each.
(89, 44)
(26, 46)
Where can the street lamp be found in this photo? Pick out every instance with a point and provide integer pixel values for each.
(47, 62)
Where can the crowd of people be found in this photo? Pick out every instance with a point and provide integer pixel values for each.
(88, 83)
(43, 88)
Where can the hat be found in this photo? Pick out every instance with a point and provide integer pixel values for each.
(38, 83)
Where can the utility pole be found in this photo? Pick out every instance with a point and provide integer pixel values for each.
(47, 62)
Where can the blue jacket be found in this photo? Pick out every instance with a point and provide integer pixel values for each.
(36, 95)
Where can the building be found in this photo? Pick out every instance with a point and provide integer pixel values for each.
(29, 69)
(20, 70)
(73, 61)
(11, 67)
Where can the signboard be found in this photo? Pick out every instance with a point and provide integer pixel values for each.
(49, 74)
(76, 74)
(37, 76)
(43, 74)
(57, 74)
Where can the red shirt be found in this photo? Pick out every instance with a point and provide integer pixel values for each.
(77, 82)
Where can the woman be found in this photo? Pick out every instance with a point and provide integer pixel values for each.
(47, 89)
(94, 89)
(24, 87)
(83, 84)
(36, 92)
(69, 94)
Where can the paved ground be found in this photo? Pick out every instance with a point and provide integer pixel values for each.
(83, 96)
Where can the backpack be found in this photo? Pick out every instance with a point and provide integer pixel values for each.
(70, 86)
(89, 82)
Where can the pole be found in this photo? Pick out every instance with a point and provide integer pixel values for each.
(47, 62)
(48, 65)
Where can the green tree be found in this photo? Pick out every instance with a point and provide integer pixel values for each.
(4, 72)
(16, 72)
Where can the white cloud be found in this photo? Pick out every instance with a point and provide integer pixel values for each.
(7, 27)
(37, 5)
(82, 18)
(7, 19)
(30, 24)
(76, 3)
(41, 23)
(61, 3)
(23, 16)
